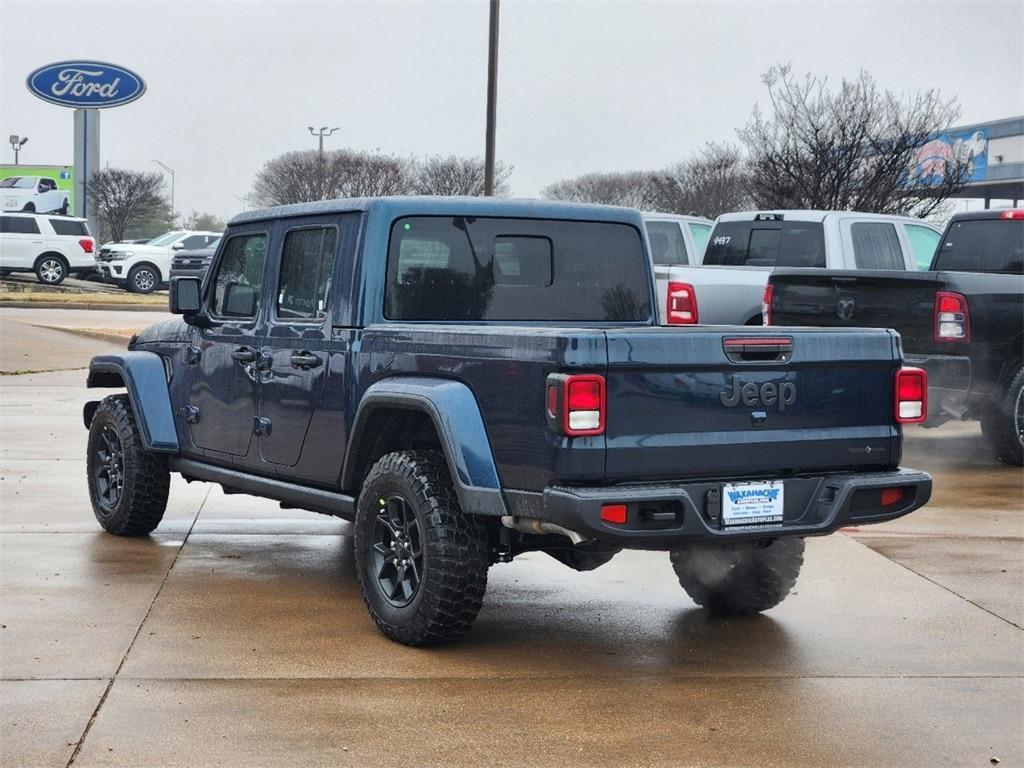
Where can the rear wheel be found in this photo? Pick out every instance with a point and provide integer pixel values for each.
(51, 269)
(29, 208)
(422, 563)
(143, 279)
(1003, 424)
(739, 579)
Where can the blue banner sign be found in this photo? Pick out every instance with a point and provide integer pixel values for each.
(967, 151)
(86, 84)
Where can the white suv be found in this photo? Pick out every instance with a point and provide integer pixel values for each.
(50, 246)
(144, 267)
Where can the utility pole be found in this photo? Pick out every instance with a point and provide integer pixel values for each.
(492, 96)
(324, 131)
(17, 142)
(174, 215)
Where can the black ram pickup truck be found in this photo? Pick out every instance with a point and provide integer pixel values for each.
(470, 379)
(962, 321)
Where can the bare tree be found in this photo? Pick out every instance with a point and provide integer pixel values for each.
(454, 175)
(711, 182)
(630, 188)
(122, 198)
(853, 147)
(298, 177)
(205, 222)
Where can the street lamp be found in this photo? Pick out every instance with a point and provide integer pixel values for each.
(174, 215)
(325, 131)
(17, 142)
(492, 97)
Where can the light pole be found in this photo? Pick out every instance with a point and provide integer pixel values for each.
(17, 142)
(492, 97)
(324, 131)
(174, 215)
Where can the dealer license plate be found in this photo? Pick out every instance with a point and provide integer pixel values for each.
(752, 503)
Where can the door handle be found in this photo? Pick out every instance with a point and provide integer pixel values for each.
(306, 360)
(243, 355)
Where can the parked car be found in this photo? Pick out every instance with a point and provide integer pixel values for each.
(468, 380)
(193, 263)
(744, 248)
(145, 267)
(676, 241)
(33, 194)
(50, 246)
(963, 321)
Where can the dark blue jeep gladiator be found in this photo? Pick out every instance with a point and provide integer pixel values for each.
(470, 379)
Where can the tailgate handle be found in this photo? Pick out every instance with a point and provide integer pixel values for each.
(758, 349)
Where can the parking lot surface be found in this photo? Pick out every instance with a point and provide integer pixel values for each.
(236, 635)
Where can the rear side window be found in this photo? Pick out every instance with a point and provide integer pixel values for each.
(236, 287)
(923, 241)
(766, 244)
(876, 245)
(307, 264)
(701, 233)
(18, 225)
(69, 227)
(983, 245)
(668, 248)
(503, 269)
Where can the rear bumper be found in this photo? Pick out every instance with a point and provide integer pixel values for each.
(813, 505)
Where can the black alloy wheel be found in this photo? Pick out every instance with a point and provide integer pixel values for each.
(108, 469)
(397, 551)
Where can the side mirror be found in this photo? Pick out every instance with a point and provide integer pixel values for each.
(185, 296)
(177, 246)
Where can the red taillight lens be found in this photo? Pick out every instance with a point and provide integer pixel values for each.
(614, 513)
(952, 317)
(681, 304)
(576, 404)
(766, 304)
(911, 396)
(1012, 215)
(86, 243)
(891, 496)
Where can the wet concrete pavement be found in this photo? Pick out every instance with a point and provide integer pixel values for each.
(236, 636)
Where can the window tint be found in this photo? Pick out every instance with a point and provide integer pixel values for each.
(923, 241)
(442, 268)
(876, 245)
(700, 233)
(307, 264)
(766, 244)
(983, 245)
(19, 225)
(194, 241)
(667, 244)
(236, 290)
(69, 227)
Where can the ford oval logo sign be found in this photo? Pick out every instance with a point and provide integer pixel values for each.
(86, 84)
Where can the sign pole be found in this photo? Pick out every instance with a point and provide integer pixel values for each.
(87, 161)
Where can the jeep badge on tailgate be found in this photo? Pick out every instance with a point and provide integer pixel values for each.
(768, 394)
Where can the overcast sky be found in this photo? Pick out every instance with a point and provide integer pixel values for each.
(582, 86)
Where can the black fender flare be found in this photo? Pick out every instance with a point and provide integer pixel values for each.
(455, 414)
(144, 376)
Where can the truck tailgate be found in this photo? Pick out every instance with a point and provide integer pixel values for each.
(707, 402)
(904, 301)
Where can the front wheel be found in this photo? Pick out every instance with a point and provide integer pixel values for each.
(143, 279)
(1003, 424)
(64, 207)
(421, 561)
(739, 579)
(51, 270)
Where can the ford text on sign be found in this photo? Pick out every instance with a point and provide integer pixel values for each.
(86, 84)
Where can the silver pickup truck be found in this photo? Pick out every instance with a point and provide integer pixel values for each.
(727, 285)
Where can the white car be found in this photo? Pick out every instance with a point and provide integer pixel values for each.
(50, 246)
(33, 194)
(144, 267)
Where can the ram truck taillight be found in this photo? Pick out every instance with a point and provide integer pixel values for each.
(911, 396)
(681, 304)
(766, 304)
(87, 244)
(1012, 215)
(952, 317)
(575, 404)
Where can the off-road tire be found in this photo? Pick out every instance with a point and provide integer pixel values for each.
(136, 282)
(51, 269)
(455, 551)
(739, 579)
(64, 208)
(145, 477)
(1002, 424)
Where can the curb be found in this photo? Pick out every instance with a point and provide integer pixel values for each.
(82, 305)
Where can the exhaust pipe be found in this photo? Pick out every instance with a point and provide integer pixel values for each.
(532, 525)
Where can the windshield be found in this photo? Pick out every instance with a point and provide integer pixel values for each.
(982, 245)
(18, 182)
(166, 239)
(510, 269)
(766, 244)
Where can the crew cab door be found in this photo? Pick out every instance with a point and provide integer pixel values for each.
(299, 333)
(225, 357)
